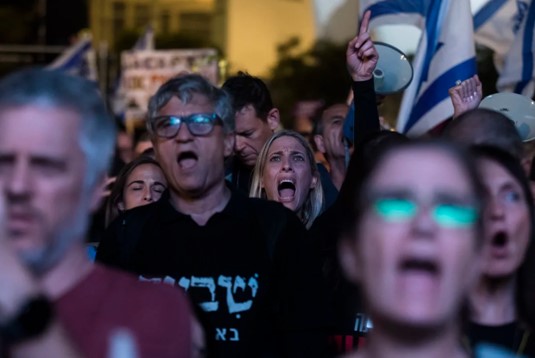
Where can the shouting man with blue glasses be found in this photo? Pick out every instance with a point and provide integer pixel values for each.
(193, 157)
(243, 261)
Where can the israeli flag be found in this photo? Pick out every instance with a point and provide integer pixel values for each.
(445, 55)
(495, 26)
(78, 60)
(518, 70)
(507, 27)
(393, 12)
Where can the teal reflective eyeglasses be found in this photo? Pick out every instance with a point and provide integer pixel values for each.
(199, 124)
(446, 215)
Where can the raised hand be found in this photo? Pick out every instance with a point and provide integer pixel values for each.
(466, 95)
(361, 55)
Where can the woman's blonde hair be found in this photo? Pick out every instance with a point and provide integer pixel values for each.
(314, 202)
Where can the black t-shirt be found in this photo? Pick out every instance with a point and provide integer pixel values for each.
(249, 268)
(512, 337)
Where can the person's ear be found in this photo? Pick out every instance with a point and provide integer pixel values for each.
(348, 259)
(120, 206)
(273, 119)
(320, 143)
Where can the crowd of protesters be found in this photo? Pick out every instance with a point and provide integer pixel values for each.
(224, 238)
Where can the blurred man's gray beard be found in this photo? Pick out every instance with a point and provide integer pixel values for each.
(42, 259)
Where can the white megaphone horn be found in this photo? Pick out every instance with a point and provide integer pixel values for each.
(393, 72)
(518, 108)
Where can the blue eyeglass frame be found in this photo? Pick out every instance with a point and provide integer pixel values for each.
(445, 215)
(206, 120)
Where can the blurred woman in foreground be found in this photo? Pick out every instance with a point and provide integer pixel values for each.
(414, 247)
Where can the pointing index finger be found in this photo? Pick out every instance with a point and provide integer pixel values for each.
(365, 22)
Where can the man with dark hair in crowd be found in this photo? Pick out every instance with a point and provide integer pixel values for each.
(244, 261)
(329, 141)
(256, 120)
(56, 142)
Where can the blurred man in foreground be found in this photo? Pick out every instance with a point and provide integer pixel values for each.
(56, 142)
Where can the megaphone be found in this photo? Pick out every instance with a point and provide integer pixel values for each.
(393, 72)
(518, 108)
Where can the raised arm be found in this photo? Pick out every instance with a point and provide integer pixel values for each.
(361, 58)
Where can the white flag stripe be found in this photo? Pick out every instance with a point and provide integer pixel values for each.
(429, 120)
(411, 91)
(453, 60)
